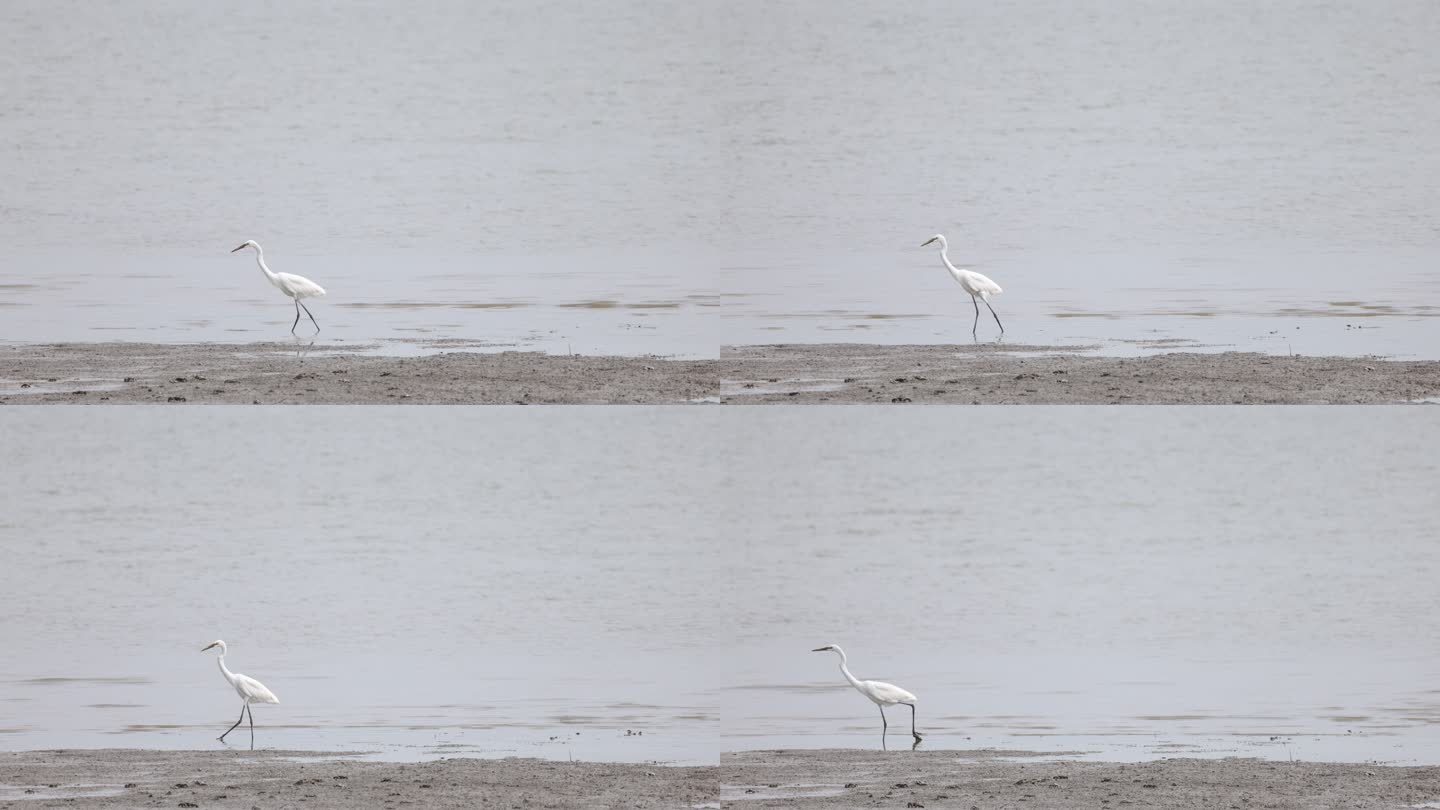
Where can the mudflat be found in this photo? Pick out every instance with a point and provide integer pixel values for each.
(990, 374)
(221, 779)
(281, 373)
(995, 779)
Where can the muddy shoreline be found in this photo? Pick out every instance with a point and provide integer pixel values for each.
(989, 374)
(243, 779)
(280, 373)
(816, 780)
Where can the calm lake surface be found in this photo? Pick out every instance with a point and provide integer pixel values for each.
(420, 582)
(508, 177)
(480, 582)
(1214, 174)
(1127, 583)
(642, 177)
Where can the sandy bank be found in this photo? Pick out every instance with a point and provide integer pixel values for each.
(989, 374)
(221, 779)
(270, 373)
(836, 373)
(996, 779)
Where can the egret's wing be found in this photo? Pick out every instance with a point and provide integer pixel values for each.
(985, 283)
(889, 692)
(299, 285)
(254, 691)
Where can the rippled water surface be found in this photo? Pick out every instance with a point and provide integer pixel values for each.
(1125, 583)
(391, 305)
(1216, 175)
(645, 177)
(496, 582)
(510, 177)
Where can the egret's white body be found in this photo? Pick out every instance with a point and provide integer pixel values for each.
(979, 285)
(249, 690)
(296, 287)
(882, 694)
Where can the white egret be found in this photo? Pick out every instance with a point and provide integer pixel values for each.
(881, 693)
(296, 287)
(249, 689)
(978, 285)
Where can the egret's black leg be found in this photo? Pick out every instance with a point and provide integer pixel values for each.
(975, 327)
(913, 732)
(237, 722)
(317, 325)
(997, 317)
(884, 726)
(251, 712)
(297, 316)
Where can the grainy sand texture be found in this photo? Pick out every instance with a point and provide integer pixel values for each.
(990, 780)
(270, 373)
(987, 374)
(225, 779)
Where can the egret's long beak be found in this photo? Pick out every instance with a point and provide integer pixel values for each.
(922, 244)
(242, 247)
(212, 645)
(820, 649)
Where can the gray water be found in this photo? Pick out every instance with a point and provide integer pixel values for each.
(476, 172)
(481, 582)
(1124, 583)
(1221, 174)
(645, 177)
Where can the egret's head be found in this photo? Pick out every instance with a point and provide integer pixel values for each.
(248, 243)
(936, 238)
(217, 642)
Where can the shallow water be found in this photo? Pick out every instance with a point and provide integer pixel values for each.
(429, 169)
(1217, 174)
(491, 583)
(1120, 305)
(1122, 582)
(394, 305)
(1127, 583)
(576, 178)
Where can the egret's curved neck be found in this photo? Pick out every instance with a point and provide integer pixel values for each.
(844, 670)
(224, 670)
(260, 260)
(945, 254)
